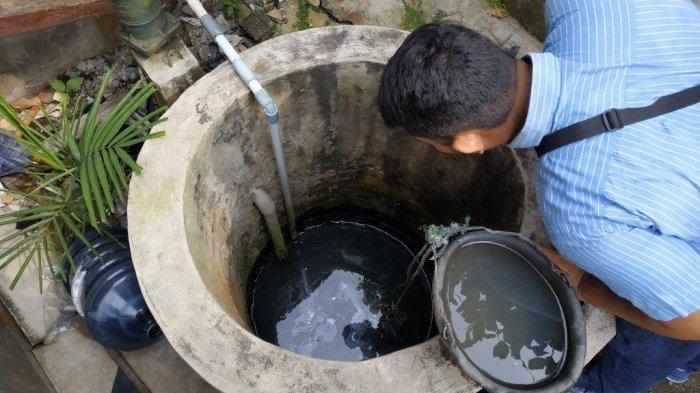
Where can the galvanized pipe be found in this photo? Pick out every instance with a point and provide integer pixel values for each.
(146, 27)
(263, 98)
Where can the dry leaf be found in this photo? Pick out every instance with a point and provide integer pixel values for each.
(25, 103)
(30, 114)
(496, 12)
(8, 198)
(46, 96)
(5, 125)
(60, 97)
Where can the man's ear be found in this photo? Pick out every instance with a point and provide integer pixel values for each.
(469, 142)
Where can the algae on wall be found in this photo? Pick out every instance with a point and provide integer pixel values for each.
(529, 13)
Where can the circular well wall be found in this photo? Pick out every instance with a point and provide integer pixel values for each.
(196, 231)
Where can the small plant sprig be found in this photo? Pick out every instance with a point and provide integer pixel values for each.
(232, 8)
(303, 21)
(79, 168)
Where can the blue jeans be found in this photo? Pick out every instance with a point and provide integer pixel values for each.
(636, 360)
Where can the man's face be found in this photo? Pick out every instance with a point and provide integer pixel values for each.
(443, 145)
(467, 142)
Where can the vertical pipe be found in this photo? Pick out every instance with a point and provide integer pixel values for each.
(263, 98)
(267, 208)
(146, 26)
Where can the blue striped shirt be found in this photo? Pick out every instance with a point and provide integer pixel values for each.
(624, 206)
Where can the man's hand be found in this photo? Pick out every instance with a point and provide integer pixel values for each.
(593, 291)
(573, 272)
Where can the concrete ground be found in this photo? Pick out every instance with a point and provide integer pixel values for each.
(691, 386)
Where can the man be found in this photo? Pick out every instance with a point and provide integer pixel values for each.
(621, 208)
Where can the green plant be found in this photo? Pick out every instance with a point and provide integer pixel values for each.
(303, 21)
(71, 84)
(79, 168)
(128, 60)
(232, 8)
(412, 18)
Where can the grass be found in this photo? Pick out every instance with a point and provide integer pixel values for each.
(412, 18)
(232, 8)
(303, 21)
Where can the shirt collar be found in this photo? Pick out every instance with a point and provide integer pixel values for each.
(544, 98)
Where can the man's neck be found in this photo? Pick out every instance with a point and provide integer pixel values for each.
(521, 103)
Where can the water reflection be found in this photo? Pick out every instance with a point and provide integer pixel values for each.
(503, 314)
(331, 297)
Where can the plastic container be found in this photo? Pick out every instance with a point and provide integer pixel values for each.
(480, 342)
(106, 293)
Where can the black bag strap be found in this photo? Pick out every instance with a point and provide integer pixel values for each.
(615, 119)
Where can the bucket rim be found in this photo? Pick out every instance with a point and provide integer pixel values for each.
(569, 303)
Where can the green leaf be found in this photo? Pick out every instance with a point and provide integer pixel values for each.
(128, 160)
(15, 253)
(114, 178)
(139, 126)
(95, 190)
(26, 194)
(102, 177)
(78, 232)
(85, 188)
(53, 179)
(136, 133)
(64, 244)
(118, 166)
(89, 128)
(57, 85)
(114, 122)
(49, 260)
(128, 60)
(21, 232)
(40, 266)
(17, 248)
(8, 219)
(108, 125)
(22, 268)
(142, 139)
(74, 83)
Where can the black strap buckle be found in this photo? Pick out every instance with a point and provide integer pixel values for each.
(612, 120)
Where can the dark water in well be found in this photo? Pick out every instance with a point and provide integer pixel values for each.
(504, 315)
(331, 298)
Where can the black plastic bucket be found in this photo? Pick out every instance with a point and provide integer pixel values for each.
(509, 319)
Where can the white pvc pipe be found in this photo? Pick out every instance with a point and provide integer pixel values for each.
(197, 8)
(263, 98)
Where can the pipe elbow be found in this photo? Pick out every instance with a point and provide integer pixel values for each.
(263, 201)
(271, 111)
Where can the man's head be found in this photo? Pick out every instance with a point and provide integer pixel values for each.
(450, 87)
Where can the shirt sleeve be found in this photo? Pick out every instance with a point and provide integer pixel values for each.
(659, 274)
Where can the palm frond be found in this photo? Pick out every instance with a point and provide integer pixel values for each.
(79, 166)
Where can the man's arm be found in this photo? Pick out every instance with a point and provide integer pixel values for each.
(641, 276)
(595, 292)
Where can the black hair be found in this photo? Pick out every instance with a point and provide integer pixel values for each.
(445, 79)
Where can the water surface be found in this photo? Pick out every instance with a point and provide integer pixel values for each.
(504, 315)
(331, 297)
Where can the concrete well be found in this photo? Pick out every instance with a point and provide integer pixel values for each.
(195, 232)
